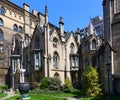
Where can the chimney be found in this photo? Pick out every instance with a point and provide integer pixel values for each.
(46, 15)
(34, 12)
(61, 24)
(78, 35)
(26, 7)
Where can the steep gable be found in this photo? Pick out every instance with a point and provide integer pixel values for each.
(71, 39)
(39, 33)
(54, 33)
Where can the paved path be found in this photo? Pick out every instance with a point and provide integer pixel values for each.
(76, 98)
(9, 94)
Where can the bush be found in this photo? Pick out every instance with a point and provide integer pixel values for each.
(91, 82)
(3, 87)
(68, 83)
(55, 83)
(50, 83)
(44, 83)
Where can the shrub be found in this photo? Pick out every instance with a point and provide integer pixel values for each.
(3, 87)
(91, 82)
(68, 83)
(44, 83)
(50, 83)
(55, 83)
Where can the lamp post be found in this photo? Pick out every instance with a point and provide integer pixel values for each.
(108, 69)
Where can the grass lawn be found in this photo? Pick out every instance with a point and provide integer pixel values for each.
(38, 97)
(71, 93)
(2, 95)
(50, 95)
(102, 98)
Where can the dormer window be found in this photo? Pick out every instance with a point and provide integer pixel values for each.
(72, 48)
(1, 22)
(2, 11)
(93, 44)
(55, 42)
(15, 27)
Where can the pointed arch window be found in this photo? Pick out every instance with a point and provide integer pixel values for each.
(93, 44)
(1, 35)
(2, 10)
(87, 45)
(20, 29)
(72, 47)
(56, 75)
(55, 60)
(18, 46)
(15, 27)
(1, 22)
(55, 42)
(26, 39)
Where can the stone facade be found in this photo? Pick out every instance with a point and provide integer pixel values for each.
(16, 24)
(111, 12)
(57, 52)
(90, 43)
(31, 45)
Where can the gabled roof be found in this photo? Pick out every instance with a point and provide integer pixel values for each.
(40, 29)
(112, 49)
(103, 46)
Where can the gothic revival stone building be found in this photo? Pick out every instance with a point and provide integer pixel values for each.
(16, 27)
(31, 48)
(91, 40)
(53, 52)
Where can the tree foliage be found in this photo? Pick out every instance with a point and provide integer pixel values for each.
(68, 83)
(91, 82)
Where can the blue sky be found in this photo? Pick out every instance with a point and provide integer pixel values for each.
(76, 13)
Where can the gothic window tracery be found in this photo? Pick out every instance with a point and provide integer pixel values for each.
(55, 60)
(72, 47)
(93, 44)
(55, 42)
(87, 45)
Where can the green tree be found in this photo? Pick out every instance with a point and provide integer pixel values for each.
(91, 82)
